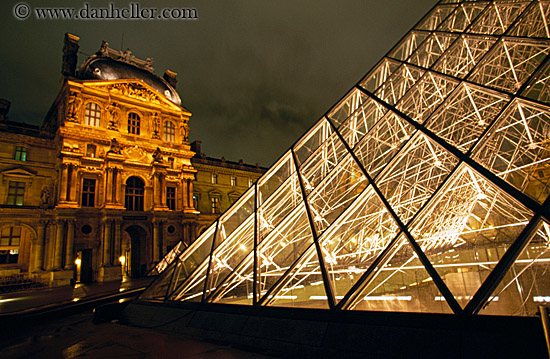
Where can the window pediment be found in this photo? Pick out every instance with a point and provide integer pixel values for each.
(19, 173)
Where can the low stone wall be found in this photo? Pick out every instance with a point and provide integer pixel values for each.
(310, 333)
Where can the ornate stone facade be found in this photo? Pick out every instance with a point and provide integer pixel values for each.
(105, 187)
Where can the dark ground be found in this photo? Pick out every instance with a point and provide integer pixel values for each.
(77, 337)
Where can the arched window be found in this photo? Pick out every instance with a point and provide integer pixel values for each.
(135, 189)
(133, 123)
(92, 114)
(169, 131)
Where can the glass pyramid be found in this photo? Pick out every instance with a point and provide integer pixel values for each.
(425, 189)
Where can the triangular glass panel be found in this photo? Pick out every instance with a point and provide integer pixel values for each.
(510, 63)
(355, 240)
(435, 17)
(463, 55)
(516, 149)
(158, 289)
(322, 162)
(424, 97)
(239, 286)
(399, 83)
(169, 258)
(237, 214)
(336, 193)
(303, 285)
(539, 87)
(431, 49)
(414, 174)
(407, 46)
(192, 289)
(197, 256)
(361, 121)
(466, 229)
(284, 245)
(275, 177)
(465, 115)
(462, 17)
(230, 253)
(379, 74)
(380, 144)
(525, 286)
(497, 17)
(401, 284)
(279, 205)
(534, 23)
(347, 106)
(312, 140)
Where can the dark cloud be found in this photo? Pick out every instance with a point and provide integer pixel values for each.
(255, 74)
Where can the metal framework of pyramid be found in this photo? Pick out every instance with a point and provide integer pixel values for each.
(425, 189)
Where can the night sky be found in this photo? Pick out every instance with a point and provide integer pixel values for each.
(256, 74)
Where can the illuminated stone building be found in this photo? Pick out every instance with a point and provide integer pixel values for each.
(104, 188)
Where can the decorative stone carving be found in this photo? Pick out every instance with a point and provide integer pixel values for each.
(126, 56)
(115, 147)
(136, 91)
(157, 156)
(73, 107)
(114, 116)
(45, 197)
(156, 125)
(134, 153)
(184, 130)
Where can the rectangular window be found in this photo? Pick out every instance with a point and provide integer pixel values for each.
(215, 205)
(169, 131)
(20, 153)
(9, 245)
(133, 123)
(88, 192)
(16, 193)
(171, 198)
(233, 181)
(250, 182)
(90, 151)
(214, 178)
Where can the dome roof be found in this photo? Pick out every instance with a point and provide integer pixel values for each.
(102, 66)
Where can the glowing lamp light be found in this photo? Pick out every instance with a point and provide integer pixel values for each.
(122, 259)
(77, 261)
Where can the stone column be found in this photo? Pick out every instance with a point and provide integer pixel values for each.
(156, 240)
(69, 252)
(190, 193)
(107, 243)
(73, 184)
(108, 185)
(115, 185)
(58, 252)
(162, 190)
(117, 242)
(38, 250)
(119, 194)
(184, 194)
(63, 182)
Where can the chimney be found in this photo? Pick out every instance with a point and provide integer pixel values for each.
(4, 109)
(196, 147)
(70, 57)
(170, 77)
